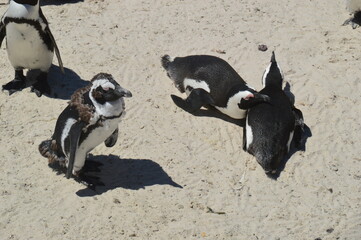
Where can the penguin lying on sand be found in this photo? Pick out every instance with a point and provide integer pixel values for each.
(91, 118)
(354, 7)
(209, 80)
(30, 44)
(270, 127)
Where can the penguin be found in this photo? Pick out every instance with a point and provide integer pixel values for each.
(211, 81)
(354, 7)
(30, 44)
(270, 127)
(92, 117)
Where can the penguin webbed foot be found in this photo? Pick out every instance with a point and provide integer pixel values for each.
(41, 86)
(14, 86)
(88, 180)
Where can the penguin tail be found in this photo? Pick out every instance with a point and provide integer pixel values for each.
(166, 60)
(47, 149)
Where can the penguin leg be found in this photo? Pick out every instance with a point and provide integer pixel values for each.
(41, 86)
(17, 84)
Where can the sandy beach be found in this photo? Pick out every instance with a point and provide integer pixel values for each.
(173, 175)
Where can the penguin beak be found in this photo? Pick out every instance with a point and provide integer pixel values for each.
(122, 92)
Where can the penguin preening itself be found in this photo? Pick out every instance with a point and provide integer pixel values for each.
(30, 44)
(92, 117)
(209, 80)
(354, 7)
(270, 127)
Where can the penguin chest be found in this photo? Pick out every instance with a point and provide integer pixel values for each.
(25, 47)
(232, 109)
(98, 135)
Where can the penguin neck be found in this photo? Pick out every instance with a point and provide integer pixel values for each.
(17, 10)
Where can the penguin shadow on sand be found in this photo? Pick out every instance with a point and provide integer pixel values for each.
(114, 172)
(57, 2)
(209, 112)
(62, 85)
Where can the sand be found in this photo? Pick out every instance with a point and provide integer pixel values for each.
(173, 175)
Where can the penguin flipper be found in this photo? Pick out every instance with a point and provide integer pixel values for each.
(74, 137)
(198, 98)
(2, 32)
(56, 49)
(112, 139)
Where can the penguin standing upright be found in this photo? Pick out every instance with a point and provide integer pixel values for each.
(92, 117)
(270, 127)
(209, 80)
(354, 7)
(30, 44)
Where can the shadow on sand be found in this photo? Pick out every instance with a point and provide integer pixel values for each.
(210, 112)
(62, 85)
(58, 2)
(131, 174)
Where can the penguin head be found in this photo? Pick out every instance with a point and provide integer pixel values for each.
(28, 2)
(106, 89)
(250, 98)
(273, 74)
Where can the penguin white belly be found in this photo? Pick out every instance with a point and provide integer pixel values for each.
(232, 109)
(95, 137)
(353, 5)
(194, 84)
(26, 49)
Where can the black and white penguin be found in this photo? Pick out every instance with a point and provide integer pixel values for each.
(209, 80)
(354, 7)
(270, 127)
(92, 117)
(30, 44)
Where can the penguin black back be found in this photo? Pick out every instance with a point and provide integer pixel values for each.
(220, 76)
(270, 126)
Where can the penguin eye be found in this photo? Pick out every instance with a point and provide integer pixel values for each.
(101, 89)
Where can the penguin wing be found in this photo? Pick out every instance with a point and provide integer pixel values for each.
(299, 127)
(2, 32)
(112, 139)
(50, 35)
(74, 137)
